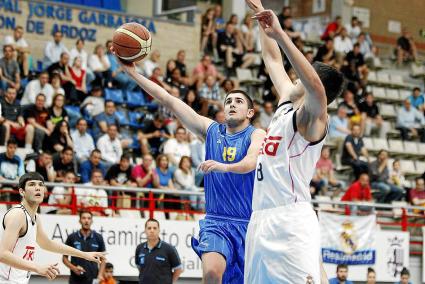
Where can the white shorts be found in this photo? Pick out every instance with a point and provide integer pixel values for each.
(283, 245)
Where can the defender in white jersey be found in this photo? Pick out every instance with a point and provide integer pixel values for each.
(283, 239)
(21, 230)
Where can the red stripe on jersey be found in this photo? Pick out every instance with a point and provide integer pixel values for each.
(294, 156)
(292, 140)
(29, 247)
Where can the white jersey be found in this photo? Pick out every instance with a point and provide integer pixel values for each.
(286, 163)
(24, 248)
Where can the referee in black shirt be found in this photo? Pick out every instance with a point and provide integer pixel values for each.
(158, 262)
(83, 271)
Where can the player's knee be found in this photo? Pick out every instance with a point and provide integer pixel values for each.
(212, 276)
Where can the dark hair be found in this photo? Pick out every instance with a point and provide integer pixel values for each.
(40, 95)
(96, 170)
(356, 45)
(69, 172)
(354, 18)
(67, 148)
(404, 272)
(125, 157)
(109, 265)
(151, 220)
(80, 119)
(249, 100)
(12, 141)
(8, 46)
(159, 158)
(79, 40)
(382, 151)
(332, 80)
(18, 28)
(95, 151)
(370, 270)
(109, 101)
(181, 163)
(85, 212)
(416, 89)
(29, 176)
(341, 266)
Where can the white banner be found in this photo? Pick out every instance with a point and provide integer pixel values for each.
(121, 238)
(348, 239)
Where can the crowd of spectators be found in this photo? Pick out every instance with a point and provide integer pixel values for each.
(75, 134)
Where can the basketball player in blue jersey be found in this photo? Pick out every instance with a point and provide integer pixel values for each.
(231, 156)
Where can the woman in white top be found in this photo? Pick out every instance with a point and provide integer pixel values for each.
(184, 178)
(100, 65)
(249, 33)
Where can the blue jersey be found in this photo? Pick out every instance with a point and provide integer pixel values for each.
(228, 194)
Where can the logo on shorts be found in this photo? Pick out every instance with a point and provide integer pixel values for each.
(309, 280)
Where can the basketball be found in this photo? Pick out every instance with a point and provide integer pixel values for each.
(132, 42)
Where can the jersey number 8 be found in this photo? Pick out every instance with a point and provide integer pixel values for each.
(229, 154)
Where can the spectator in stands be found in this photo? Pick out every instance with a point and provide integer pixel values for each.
(353, 29)
(151, 63)
(249, 33)
(197, 150)
(193, 100)
(55, 81)
(181, 65)
(353, 111)
(78, 51)
(100, 65)
(11, 165)
(78, 80)
(417, 100)
(37, 116)
(93, 163)
(54, 50)
(119, 77)
(57, 111)
(342, 42)
(94, 104)
(406, 47)
(289, 29)
(61, 195)
(12, 120)
(286, 12)
(220, 117)
(176, 80)
(184, 178)
(404, 276)
(339, 125)
(94, 199)
(21, 47)
(353, 150)
(218, 18)
(110, 145)
(380, 180)
(357, 57)
(64, 162)
(397, 176)
(365, 46)
(227, 85)
(326, 52)
(324, 176)
(333, 29)
(153, 135)
(144, 174)
(210, 92)
(341, 275)
(266, 114)
(101, 121)
(371, 276)
(59, 139)
(83, 141)
(43, 165)
(371, 117)
(177, 147)
(10, 74)
(108, 275)
(60, 68)
(410, 121)
(417, 194)
(37, 86)
(208, 33)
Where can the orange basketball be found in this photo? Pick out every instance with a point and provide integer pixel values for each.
(132, 42)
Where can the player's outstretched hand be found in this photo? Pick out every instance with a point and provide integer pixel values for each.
(269, 22)
(255, 5)
(212, 166)
(128, 67)
(95, 256)
(48, 271)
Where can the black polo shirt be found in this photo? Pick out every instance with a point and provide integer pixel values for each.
(10, 111)
(156, 264)
(94, 242)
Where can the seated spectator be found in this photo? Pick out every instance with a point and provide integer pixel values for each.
(353, 29)
(144, 174)
(37, 116)
(286, 12)
(397, 176)
(78, 51)
(62, 196)
(94, 199)
(11, 165)
(249, 33)
(266, 114)
(177, 147)
(176, 80)
(153, 135)
(165, 179)
(406, 47)
(339, 126)
(54, 50)
(151, 63)
(42, 165)
(184, 178)
(417, 194)
(57, 111)
(218, 18)
(37, 86)
(332, 29)
(64, 162)
(355, 84)
(10, 74)
(59, 139)
(289, 29)
(353, 111)
(208, 33)
(210, 92)
(342, 42)
(94, 104)
(357, 57)
(55, 81)
(324, 176)
(21, 47)
(13, 121)
(83, 141)
(119, 77)
(181, 65)
(204, 68)
(371, 117)
(410, 121)
(380, 180)
(326, 52)
(61, 68)
(93, 163)
(108, 275)
(404, 276)
(157, 77)
(353, 150)
(365, 46)
(193, 100)
(417, 99)
(341, 275)
(100, 65)
(110, 146)
(103, 120)
(78, 80)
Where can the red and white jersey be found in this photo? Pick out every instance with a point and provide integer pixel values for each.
(24, 248)
(286, 163)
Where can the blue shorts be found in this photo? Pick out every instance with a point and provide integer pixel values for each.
(225, 236)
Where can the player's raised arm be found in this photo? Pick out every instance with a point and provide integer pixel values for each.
(193, 121)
